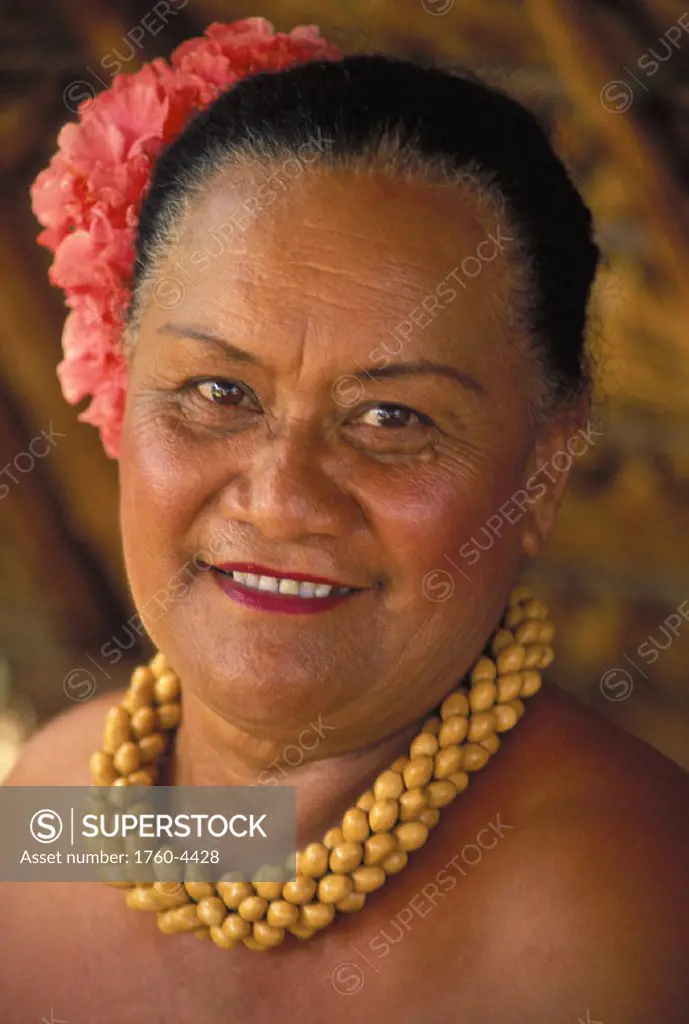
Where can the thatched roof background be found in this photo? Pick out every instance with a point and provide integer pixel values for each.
(612, 79)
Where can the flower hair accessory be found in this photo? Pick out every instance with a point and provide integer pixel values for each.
(88, 198)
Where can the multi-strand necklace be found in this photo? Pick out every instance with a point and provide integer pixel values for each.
(375, 837)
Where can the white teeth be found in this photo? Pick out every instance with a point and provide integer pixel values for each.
(289, 587)
(295, 588)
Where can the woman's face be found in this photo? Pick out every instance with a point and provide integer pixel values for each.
(323, 386)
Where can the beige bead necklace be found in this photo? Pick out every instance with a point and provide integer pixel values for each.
(376, 836)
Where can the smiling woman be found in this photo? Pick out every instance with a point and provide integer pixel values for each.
(337, 371)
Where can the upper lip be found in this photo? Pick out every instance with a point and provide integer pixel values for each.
(264, 570)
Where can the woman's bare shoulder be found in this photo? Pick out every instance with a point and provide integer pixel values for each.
(591, 886)
(58, 753)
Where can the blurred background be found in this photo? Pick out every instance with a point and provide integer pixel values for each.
(612, 81)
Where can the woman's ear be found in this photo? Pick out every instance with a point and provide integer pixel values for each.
(559, 443)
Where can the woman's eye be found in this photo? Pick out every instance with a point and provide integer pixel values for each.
(220, 392)
(393, 416)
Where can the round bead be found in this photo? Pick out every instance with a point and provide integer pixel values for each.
(139, 697)
(126, 758)
(220, 939)
(483, 695)
(281, 914)
(535, 609)
(480, 726)
(448, 760)
(199, 890)
(418, 772)
(379, 847)
(502, 639)
(317, 915)
(117, 729)
(518, 706)
(141, 676)
(167, 687)
(346, 857)
(174, 894)
(143, 898)
(388, 786)
(483, 669)
(301, 931)
(430, 817)
(333, 888)
(181, 919)
(144, 722)
(491, 743)
(531, 683)
(103, 772)
(266, 935)
(170, 715)
(412, 803)
(398, 764)
(158, 664)
(432, 725)
(460, 780)
(534, 653)
(509, 686)
(253, 908)
(453, 731)
(211, 910)
(423, 745)
(235, 927)
(299, 890)
(511, 659)
(147, 776)
(151, 747)
(232, 893)
(366, 801)
(396, 862)
(505, 717)
(352, 903)
(475, 757)
(269, 890)
(332, 838)
(456, 704)
(251, 943)
(411, 835)
(313, 860)
(369, 878)
(528, 633)
(383, 814)
(355, 825)
(440, 793)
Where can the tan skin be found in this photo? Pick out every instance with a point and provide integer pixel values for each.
(576, 905)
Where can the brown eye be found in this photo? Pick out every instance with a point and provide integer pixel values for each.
(220, 392)
(394, 416)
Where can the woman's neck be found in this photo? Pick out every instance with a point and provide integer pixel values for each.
(210, 751)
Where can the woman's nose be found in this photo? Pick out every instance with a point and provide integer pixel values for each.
(292, 490)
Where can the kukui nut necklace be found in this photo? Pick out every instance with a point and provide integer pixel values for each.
(376, 836)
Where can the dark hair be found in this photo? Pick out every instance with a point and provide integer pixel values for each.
(436, 118)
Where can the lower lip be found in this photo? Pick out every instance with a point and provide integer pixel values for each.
(267, 601)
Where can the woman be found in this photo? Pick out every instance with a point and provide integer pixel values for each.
(355, 358)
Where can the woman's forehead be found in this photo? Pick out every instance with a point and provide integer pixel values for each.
(356, 243)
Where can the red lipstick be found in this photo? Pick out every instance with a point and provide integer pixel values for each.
(267, 600)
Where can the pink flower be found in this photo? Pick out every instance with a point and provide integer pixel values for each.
(88, 198)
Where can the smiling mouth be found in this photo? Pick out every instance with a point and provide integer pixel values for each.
(284, 586)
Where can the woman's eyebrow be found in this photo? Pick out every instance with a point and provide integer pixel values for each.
(197, 333)
(416, 367)
(422, 366)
